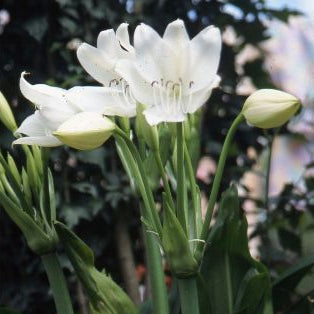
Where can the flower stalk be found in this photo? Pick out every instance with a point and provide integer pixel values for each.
(57, 283)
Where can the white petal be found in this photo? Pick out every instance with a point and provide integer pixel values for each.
(105, 100)
(108, 43)
(195, 100)
(40, 94)
(33, 126)
(45, 141)
(122, 34)
(148, 46)
(157, 114)
(176, 34)
(205, 55)
(96, 64)
(140, 88)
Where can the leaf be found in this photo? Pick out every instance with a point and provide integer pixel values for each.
(231, 281)
(103, 293)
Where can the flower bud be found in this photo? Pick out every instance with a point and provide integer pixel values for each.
(269, 108)
(6, 115)
(85, 130)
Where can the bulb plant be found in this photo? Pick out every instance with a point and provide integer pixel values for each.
(161, 83)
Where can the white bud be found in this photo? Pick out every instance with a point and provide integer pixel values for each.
(85, 130)
(269, 108)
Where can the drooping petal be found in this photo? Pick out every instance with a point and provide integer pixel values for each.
(45, 141)
(205, 51)
(105, 100)
(39, 94)
(122, 34)
(157, 114)
(96, 64)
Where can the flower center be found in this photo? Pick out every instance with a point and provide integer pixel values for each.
(122, 88)
(169, 95)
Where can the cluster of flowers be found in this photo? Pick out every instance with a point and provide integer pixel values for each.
(171, 76)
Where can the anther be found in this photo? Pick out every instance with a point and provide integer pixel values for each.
(168, 82)
(153, 83)
(191, 84)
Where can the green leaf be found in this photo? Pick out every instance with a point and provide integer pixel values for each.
(231, 281)
(104, 294)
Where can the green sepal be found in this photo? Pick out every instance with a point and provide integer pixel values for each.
(176, 246)
(144, 130)
(6, 114)
(36, 238)
(104, 294)
(26, 188)
(14, 170)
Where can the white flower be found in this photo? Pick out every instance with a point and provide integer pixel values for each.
(54, 106)
(172, 75)
(101, 62)
(269, 108)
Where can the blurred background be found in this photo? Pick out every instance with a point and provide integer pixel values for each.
(267, 44)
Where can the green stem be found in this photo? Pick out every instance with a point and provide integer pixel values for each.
(57, 283)
(46, 195)
(267, 177)
(216, 184)
(156, 273)
(193, 188)
(188, 295)
(180, 177)
(135, 154)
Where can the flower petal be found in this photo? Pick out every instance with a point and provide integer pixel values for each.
(205, 51)
(96, 64)
(122, 35)
(33, 125)
(148, 47)
(45, 141)
(39, 94)
(105, 100)
(156, 114)
(176, 34)
(140, 88)
(108, 43)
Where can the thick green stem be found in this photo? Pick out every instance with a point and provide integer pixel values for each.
(216, 184)
(181, 214)
(57, 283)
(46, 196)
(188, 296)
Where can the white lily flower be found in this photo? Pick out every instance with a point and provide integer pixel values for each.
(100, 62)
(55, 106)
(172, 75)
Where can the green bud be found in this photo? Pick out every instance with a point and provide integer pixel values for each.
(104, 294)
(26, 188)
(269, 108)
(144, 130)
(14, 170)
(85, 130)
(6, 115)
(176, 246)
